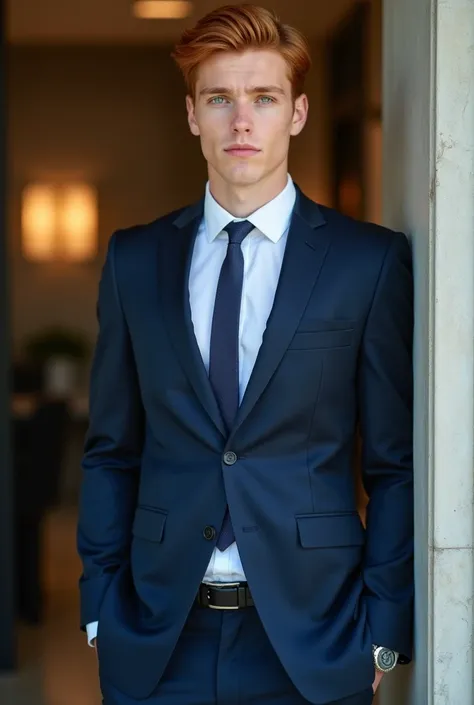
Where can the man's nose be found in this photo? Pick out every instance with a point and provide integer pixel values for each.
(242, 122)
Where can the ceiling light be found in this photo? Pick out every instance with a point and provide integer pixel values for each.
(162, 9)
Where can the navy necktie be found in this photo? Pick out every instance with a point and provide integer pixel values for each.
(224, 350)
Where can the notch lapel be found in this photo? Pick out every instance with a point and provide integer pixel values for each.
(305, 252)
(174, 262)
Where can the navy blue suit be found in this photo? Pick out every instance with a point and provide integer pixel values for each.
(336, 356)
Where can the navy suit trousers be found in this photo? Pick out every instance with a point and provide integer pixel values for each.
(224, 658)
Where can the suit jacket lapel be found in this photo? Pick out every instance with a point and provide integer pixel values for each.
(306, 248)
(174, 262)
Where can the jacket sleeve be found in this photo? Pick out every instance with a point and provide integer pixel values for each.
(112, 451)
(385, 392)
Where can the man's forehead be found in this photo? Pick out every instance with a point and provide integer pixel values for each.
(257, 68)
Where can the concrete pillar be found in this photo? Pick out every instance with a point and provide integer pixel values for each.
(428, 110)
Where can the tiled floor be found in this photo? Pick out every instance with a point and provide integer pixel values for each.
(56, 665)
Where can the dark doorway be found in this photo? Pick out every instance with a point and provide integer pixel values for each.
(7, 595)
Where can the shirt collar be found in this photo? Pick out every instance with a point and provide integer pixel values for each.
(272, 219)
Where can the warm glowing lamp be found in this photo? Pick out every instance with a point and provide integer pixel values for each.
(77, 223)
(38, 222)
(59, 223)
(162, 9)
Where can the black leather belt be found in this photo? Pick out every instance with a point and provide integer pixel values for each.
(224, 596)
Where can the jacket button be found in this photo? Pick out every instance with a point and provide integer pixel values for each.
(209, 533)
(230, 458)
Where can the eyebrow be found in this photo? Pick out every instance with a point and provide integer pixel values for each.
(253, 89)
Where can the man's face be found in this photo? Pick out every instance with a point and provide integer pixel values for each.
(245, 114)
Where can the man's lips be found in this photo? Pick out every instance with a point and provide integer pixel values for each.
(242, 150)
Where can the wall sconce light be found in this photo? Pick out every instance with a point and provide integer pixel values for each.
(162, 9)
(59, 223)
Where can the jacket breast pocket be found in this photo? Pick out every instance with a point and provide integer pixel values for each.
(330, 530)
(321, 339)
(149, 523)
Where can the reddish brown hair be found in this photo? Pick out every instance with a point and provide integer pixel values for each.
(239, 28)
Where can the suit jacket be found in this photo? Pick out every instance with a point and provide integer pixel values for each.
(336, 356)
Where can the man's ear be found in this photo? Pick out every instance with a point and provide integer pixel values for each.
(300, 115)
(193, 126)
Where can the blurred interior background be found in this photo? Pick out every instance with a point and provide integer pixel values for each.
(97, 139)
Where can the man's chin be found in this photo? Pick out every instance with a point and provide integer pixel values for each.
(244, 177)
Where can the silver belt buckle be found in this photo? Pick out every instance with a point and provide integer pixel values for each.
(217, 607)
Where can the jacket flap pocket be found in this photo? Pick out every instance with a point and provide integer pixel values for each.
(330, 530)
(149, 524)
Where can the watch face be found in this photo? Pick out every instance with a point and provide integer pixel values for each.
(386, 659)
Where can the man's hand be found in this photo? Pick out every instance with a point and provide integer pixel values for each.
(376, 683)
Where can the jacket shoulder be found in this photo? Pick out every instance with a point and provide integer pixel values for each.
(363, 234)
(136, 237)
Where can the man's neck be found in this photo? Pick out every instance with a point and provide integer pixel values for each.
(243, 201)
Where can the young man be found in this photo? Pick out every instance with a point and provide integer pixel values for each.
(243, 342)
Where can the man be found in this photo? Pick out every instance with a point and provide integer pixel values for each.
(243, 342)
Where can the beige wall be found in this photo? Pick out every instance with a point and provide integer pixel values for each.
(310, 152)
(115, 118)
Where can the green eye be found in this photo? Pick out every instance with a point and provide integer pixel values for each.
(266, 99)
(217, 100)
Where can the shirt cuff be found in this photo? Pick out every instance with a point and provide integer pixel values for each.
(91, 630)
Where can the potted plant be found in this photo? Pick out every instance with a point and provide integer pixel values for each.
(60, 352)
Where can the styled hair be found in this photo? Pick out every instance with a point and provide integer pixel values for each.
(239, 28)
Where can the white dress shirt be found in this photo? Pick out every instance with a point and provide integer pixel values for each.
(263, 251)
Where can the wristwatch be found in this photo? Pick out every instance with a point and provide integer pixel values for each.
(385, 660)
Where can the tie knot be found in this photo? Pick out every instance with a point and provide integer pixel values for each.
(238, 231)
